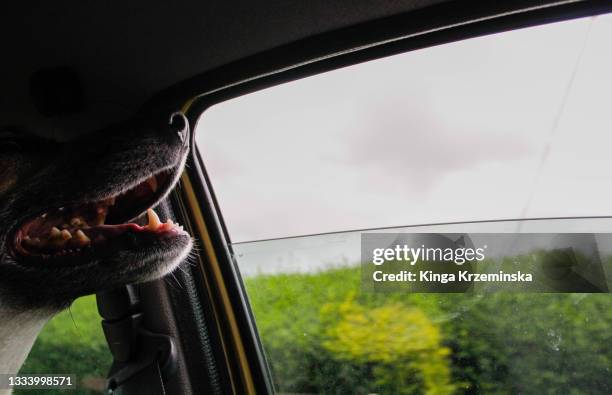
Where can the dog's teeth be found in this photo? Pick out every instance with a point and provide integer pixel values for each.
(44, 215)
(82, 237)
(66, 235)
(154, 221)
(54, 233)
(152, 181)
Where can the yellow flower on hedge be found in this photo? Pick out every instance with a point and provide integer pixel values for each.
(401, 340)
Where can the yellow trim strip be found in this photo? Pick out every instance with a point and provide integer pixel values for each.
(215, 311)
(187, 105)
(207, 248)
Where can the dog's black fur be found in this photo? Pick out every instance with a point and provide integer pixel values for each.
(37, 174)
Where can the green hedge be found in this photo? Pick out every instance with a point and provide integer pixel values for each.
(323, 336)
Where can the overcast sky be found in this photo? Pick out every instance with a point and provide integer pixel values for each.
(450, 133)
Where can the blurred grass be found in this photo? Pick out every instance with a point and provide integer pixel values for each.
(72, 343)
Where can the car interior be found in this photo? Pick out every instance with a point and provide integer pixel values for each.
(310, 125)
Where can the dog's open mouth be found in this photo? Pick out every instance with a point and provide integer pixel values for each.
(71, 230)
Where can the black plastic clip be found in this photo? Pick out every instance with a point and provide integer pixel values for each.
(154, 363)
(143, 360)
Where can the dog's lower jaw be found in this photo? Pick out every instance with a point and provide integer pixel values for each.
(18, 332)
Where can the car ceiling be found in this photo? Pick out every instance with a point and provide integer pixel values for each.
(117, 56)
(123, 53)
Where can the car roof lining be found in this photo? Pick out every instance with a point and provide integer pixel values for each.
(126, 52)
(129, 55)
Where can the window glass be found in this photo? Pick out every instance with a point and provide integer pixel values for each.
(324, 334)
(505, 126)
(512, 125)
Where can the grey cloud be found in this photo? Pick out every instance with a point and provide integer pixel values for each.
(403, 140)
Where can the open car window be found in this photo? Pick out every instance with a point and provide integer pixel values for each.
(514, 125)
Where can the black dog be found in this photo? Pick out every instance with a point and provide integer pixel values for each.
(64, 212)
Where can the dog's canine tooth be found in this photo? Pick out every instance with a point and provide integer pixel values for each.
(154, 221)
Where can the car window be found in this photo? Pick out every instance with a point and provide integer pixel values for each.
(512, 125)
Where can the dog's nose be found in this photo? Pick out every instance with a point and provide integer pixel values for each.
(180, 124)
